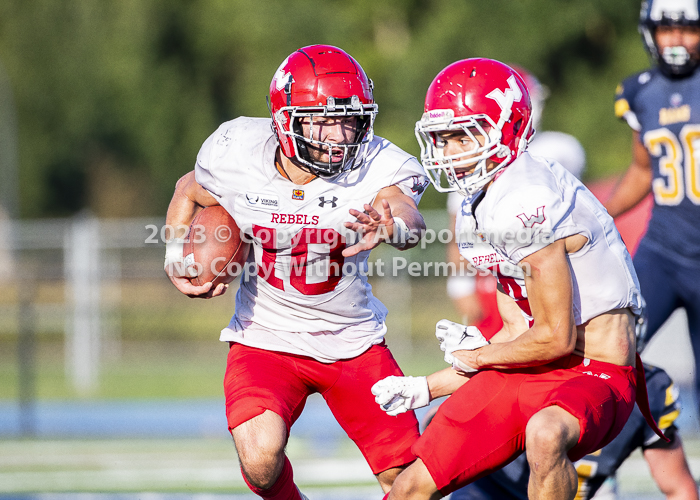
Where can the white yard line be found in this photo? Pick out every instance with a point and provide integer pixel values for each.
(209, 466)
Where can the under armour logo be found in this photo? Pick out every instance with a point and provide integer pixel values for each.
(322, 201)
(529, 221)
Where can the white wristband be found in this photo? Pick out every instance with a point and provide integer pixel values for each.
(173, 251)
(401, 234)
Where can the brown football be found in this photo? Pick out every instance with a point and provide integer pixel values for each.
(214, 246)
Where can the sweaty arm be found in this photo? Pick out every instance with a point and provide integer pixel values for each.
(550, 294)
(635, 184)
(393, 218)
(188, 199)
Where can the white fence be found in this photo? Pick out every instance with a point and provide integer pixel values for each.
(87, 254)
(84, 253)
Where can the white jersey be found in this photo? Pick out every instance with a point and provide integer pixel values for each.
(305, 297)
(531, 204)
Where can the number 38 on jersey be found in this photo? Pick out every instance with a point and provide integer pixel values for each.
(679, 164)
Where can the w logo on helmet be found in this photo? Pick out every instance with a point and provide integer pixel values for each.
(529, 221)
(282, 77)
(506, 99)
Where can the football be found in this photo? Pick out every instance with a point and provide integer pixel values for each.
(214, 247)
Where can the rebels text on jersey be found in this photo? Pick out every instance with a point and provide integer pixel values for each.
(666, 113)
(304, 296)
(532, 204)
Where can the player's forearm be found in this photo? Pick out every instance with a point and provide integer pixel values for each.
(445, 382)
(550, 294)
(414, 223)
(633, 188)
(181, 211)
(506, 334)
(535, 347)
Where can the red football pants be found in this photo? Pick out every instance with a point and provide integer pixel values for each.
(257, 380)
(481, 426)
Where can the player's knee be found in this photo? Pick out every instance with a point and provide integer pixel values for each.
(260, 446)
(258, 449)
(261, 465)
(545, 436)
(404, 486)
(414, 482)
(386, 478)
(260, 477)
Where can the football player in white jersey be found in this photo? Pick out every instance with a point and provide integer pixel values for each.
(559, 380)
(474, 294)
(314, 190)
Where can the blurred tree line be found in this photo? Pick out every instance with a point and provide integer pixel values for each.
(114, 98)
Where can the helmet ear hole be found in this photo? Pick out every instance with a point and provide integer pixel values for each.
(517, 125)
(363, 125)
(298, 129)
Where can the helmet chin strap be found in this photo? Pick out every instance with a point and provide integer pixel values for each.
(522, 143)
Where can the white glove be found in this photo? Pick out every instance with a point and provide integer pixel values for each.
(399, 394)
(455, 337)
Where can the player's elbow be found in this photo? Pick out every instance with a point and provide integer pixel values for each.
(560, 340)
(185, 180)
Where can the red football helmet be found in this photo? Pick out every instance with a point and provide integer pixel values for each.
(315, 81)
(477, 96)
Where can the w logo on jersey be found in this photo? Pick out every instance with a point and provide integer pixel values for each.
(529, 221)
(506, 99)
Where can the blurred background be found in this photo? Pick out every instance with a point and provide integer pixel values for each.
(110, 380)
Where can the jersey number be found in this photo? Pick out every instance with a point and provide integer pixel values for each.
(676, 181)
(315, 277)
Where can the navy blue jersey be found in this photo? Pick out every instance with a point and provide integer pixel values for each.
(510, 483)
(666, 113)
